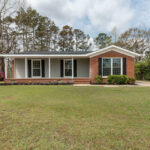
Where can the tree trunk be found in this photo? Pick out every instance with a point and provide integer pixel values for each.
(33, 40)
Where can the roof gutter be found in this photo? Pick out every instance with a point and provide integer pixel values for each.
(41, 56)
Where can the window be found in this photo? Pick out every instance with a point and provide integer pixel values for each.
(68, 68)
(112, 66)
(36, 68)
(117, 66)
(106, 67)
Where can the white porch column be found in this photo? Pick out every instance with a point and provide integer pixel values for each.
(26, 72)
(14, 68)
(72, 68)
(6, 65)
(49, 66)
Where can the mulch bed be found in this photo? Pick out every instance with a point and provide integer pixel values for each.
(5, 84)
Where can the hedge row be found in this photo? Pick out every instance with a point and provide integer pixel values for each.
(116, 79)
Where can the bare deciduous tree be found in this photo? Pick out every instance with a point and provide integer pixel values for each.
(135, 39)
(8, 8)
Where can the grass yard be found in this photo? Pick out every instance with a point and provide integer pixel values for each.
(74, 118)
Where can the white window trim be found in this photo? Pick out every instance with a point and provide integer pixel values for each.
(112, 65)
(32, 68)
(64, 68)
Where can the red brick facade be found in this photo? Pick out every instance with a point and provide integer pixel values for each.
(47, 80)
(94, 64)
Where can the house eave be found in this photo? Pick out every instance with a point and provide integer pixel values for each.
(116, 49)
(42, 56)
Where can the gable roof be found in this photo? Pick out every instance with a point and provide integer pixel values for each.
(86, 54)
(116, 49)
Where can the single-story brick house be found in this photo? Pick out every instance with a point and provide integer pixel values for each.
(77, 67)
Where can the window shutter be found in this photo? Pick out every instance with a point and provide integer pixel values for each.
(61, 68)
(29, 68)
(75, 68)
(43, 68)
(100, 66)
(124, 66)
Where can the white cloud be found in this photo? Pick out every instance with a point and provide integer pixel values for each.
(94, 16)
(142, 13)
(107, 14)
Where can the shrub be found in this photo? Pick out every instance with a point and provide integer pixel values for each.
(2, 76)
(117, 79)
(98, 79)
(147, 76)
(140, 70)
(131, 80)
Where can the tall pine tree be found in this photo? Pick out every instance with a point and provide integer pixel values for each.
(82, 42)
(66, 42)
(103, 40)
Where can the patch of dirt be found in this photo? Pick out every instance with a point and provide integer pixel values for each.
(8, 98)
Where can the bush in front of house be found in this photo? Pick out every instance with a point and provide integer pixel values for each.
(117, 79)
(131, 80)
(98, 79)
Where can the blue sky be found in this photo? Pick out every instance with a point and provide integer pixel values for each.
(95, 16)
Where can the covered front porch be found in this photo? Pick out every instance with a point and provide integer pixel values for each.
(76, 70)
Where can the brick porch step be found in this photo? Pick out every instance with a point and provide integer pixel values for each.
(82, 81)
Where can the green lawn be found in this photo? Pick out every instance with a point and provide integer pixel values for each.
(74, 118)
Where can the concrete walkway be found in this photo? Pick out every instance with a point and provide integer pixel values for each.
(138, 84)
(143, 83)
